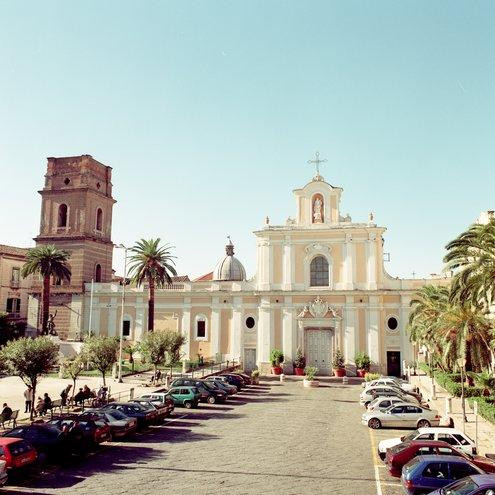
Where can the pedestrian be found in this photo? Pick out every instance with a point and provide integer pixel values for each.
(6, 413)
(39, 407)
(47, 403)
(79, 397)
(65, 394)
(87, 392)
(158, 375)
(28, 399)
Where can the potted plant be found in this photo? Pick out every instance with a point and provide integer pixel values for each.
(363, 364)
(338, 363)
(299, 363)
(309, 379)
(276, 358)
(255, 377)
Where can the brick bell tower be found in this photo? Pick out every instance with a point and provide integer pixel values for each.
(76, 215)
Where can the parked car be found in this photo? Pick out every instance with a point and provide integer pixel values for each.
(3, 473)
(391, 382)
(401, 416)
(477, 484)
(160, 409)
(222, 384)
(79, 441)
(247, 379)
(161, 398)
(401, 454)
(16, 452)
(120, 425)
(368, 394)
(450, 435)
(424, 474)
(93, 433)
(186, 396)
(48, 440)
(383, 403)
(207, 392)
(143, 415)
(234, 379)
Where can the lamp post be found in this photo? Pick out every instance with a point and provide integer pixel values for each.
(462, 363)
(121, 333)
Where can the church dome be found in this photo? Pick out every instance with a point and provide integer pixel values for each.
(229, 268)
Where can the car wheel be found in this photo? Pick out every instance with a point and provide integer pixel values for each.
(382, 455)
(187, 404)
(211, 399)
(374, 423)
(423, 423)
(366, 404)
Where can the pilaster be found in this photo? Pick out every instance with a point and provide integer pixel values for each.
(373, 337)
(371, 262)
(350, 341)
(237, 337)
(288, 333)
(215, 328)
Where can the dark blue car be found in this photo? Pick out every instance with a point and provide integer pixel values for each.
(426, 473)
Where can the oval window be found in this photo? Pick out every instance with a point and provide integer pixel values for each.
(392, 323)
(250, 322)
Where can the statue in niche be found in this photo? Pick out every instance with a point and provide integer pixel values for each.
(317, 206)
(50, 324)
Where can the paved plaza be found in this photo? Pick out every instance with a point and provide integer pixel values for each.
(273, 438)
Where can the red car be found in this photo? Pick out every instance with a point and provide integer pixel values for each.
(16, 452)
(401, 454)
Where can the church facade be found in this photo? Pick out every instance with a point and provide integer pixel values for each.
(320, 282)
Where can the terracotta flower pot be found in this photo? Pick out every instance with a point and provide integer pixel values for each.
(299, 371)
(277, 370)
(311, 383)
(361, 373)
(339, 372)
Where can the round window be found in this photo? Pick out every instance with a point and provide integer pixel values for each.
(250, 322)
(392, 323)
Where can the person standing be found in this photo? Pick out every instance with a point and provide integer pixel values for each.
(28, 399)
(65, 394)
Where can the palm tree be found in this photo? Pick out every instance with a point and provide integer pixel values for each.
(153, 264)
(48, 261)
(472, 257)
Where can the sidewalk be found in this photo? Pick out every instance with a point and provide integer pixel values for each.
(486, 431)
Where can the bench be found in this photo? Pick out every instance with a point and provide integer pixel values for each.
(12, 420)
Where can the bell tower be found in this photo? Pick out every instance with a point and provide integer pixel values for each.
(76, 215)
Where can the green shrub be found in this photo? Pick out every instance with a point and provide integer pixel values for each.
(371, 376)
(310, 372)
(486, 408)
(338, 359)
(425, 368)
(276, 357)
(363, 361)
(452, 383)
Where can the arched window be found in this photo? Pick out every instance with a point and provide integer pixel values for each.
(99, 219)
(98, 273)
(62, 215)
(201, 329)
(319, 272)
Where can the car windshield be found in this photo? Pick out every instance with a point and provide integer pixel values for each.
(209, 386)
(145, 405)
(411, 436)
(116, 415)
(461, 487)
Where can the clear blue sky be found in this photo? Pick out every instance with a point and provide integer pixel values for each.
(208, 111)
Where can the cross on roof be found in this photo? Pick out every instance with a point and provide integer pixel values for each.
(317, 160)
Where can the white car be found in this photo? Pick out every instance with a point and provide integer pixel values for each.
(407, 415)
(3, 473)
(450, 435)
(391, 382)
(370, 393)
(383, 403)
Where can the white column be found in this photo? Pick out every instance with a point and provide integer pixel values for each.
(215, 329)
(112, 318)
(373, 330)
(237, 328)
(265, 331)
(288, 333)
(350, 333)
(265, 273)
(349, 263)
(288, 266)
(406, 347)
(138, 323)
(371, 262)
(186, 330)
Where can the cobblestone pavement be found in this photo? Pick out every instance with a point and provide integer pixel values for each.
(271, 439)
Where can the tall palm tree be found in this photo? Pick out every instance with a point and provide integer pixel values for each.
(48, 261)
(472, 257)
(153, 264)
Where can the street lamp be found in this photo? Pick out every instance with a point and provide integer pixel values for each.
(121, 333)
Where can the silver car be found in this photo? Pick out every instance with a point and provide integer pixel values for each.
(401, 416)
(384, 403)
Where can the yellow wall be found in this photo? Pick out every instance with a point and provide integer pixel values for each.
(277, 264)
(360, 262)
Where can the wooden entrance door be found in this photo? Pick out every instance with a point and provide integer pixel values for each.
(393, 363)
(318, 349)
(249, 359)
